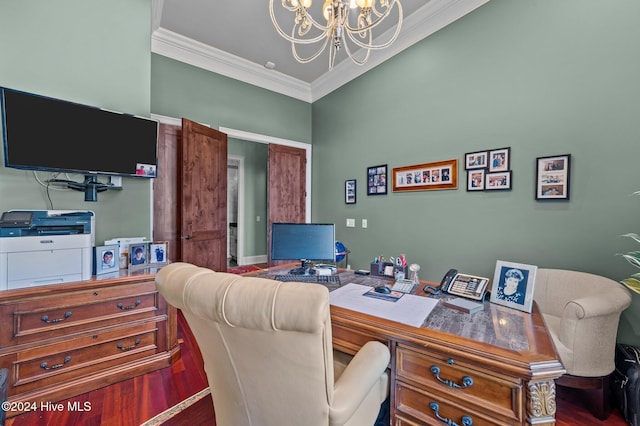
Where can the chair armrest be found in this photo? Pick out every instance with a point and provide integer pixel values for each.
(593, 306)
(362, 373)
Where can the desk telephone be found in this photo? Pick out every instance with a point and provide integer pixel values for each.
(463, 285)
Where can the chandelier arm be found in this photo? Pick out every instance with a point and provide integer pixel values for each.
(352, 55)
(378, 21)
(310, 58)
(357, 42)
(291, 38)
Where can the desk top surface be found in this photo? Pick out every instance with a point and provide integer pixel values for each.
(495, 325)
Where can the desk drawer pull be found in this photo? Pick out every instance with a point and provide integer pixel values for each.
(466, 380)
(128, 348)
(45, 318)
(127, 308)
(466, 420)
(45, 366)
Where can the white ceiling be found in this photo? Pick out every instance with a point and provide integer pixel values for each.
(234, 39)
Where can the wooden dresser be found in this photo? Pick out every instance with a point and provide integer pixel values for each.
(62, 340)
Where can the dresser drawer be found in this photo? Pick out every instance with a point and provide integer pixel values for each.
(440, 374)
(433, 409)
(55, 363)
(44, 318)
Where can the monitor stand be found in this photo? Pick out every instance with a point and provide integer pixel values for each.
(304, 269)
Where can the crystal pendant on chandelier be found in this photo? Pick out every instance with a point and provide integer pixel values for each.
(347, 24)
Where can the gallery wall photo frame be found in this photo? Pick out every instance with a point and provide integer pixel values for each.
(552, 177)
(499, 160)
(377, 180)
(350, 191)
(475, 180)
(500, 181)
(476, 160)
(106, 259)
(513, 285)
(139, 255)
(426, 177)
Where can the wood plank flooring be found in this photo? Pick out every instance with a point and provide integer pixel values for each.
(134, 401)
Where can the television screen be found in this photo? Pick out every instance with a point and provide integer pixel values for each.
(41, 133)
(303, 241)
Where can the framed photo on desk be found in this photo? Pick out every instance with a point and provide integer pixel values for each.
(513, 285)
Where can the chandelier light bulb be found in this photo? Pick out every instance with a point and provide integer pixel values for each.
(364, 3)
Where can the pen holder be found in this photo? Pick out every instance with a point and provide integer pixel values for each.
(387, 269)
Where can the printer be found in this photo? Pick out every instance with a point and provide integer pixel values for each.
(39, 247)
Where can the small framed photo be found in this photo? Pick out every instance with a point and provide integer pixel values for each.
(497, 181)
(475, 160)
(138, 255)
(552, 177)
(158, 253)
(350, 191)
(105, 259)
(513, 285)
(377, 180)
(475, 180)
(499, 160)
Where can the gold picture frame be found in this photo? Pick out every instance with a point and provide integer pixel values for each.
(426, 177)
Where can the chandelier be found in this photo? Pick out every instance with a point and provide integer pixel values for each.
(341, 29)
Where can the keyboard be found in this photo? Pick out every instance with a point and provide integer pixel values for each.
(330, 281)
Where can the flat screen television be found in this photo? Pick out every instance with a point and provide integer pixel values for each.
(305, 242)
(43, 133)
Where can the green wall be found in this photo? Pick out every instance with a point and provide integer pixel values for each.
(91, 52)
(544, 78)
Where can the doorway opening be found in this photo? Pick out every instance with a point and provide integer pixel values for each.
(235, 197)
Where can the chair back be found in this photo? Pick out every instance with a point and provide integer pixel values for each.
(266, 345)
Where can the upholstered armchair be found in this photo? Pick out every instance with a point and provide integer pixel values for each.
(582, 312)
(267, 351)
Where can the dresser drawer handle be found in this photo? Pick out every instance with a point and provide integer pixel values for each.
(466, 420)
(45, 366)
(128, 348)
(45, 318)
(466, 380)
(127, 308)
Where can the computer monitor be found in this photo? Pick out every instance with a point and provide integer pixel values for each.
(305, 242)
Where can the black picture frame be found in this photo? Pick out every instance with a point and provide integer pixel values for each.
(350, 192)
(377, 180)
(475, 179)
(499, 160)
(499, 181)
(553, 177)
(476, 160)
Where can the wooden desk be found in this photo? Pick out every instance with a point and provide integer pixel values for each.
(495, 367)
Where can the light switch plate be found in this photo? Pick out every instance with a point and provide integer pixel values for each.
(351, 223)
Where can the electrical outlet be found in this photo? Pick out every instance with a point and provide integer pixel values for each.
(351, 223)
(364, 223)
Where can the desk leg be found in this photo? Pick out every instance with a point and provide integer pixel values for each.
(541, 402)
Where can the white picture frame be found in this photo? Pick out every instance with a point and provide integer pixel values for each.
(513, 285)
(106, 259)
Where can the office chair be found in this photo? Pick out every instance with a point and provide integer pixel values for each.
(267, 350)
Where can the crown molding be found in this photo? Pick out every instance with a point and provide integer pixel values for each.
(189, 51)
(433, 16)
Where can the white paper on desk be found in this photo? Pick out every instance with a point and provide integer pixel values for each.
(409, 309)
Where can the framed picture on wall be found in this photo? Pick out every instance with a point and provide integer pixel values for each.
(377, 180)
(426, 177)
(475, 180)
(475, 160)
(552, 177)
(498, 181)
(350, 191)
(499, 160)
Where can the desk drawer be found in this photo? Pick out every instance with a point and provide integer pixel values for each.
(72, 358)
(49, 317)
(350, 341)
(432, 409)
(442, 375)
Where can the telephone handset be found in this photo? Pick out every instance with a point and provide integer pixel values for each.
(463, 285)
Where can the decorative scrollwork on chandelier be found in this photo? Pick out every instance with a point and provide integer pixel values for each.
(343, 28)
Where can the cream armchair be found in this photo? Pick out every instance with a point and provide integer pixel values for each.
(582, 312)
(268, 354)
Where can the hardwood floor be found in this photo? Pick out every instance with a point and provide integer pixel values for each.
(134, 401)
